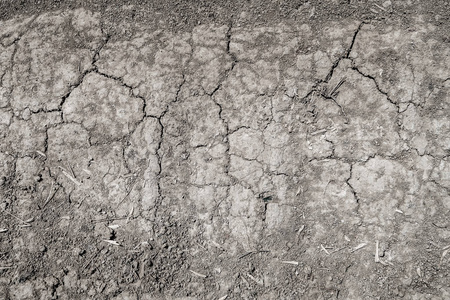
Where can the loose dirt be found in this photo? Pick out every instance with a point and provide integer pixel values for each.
(232, 150)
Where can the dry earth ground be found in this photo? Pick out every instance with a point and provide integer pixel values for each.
(225, 156)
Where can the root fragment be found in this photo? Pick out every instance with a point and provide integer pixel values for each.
(324, 249)
(198, 274)
(130, 215)
(70, 177)
(258, 281)
(377, 256)
(300, 229)
(112, 242)
(41, 153)
(358, 247)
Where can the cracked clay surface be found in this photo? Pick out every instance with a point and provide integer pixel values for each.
(224, 161)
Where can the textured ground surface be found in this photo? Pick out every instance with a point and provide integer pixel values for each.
(297, 159)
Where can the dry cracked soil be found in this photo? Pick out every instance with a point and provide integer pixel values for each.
(235, 150)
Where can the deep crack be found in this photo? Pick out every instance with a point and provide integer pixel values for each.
(352, 189)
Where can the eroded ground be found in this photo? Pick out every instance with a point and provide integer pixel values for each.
(224, 162)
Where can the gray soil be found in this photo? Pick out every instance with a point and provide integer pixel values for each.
(224, 150)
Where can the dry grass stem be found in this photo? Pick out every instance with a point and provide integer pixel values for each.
(358, 247)
(197, 274)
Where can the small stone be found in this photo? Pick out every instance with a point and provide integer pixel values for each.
(26, 114)
(5, 117)
(77, 251)
(307, 270)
